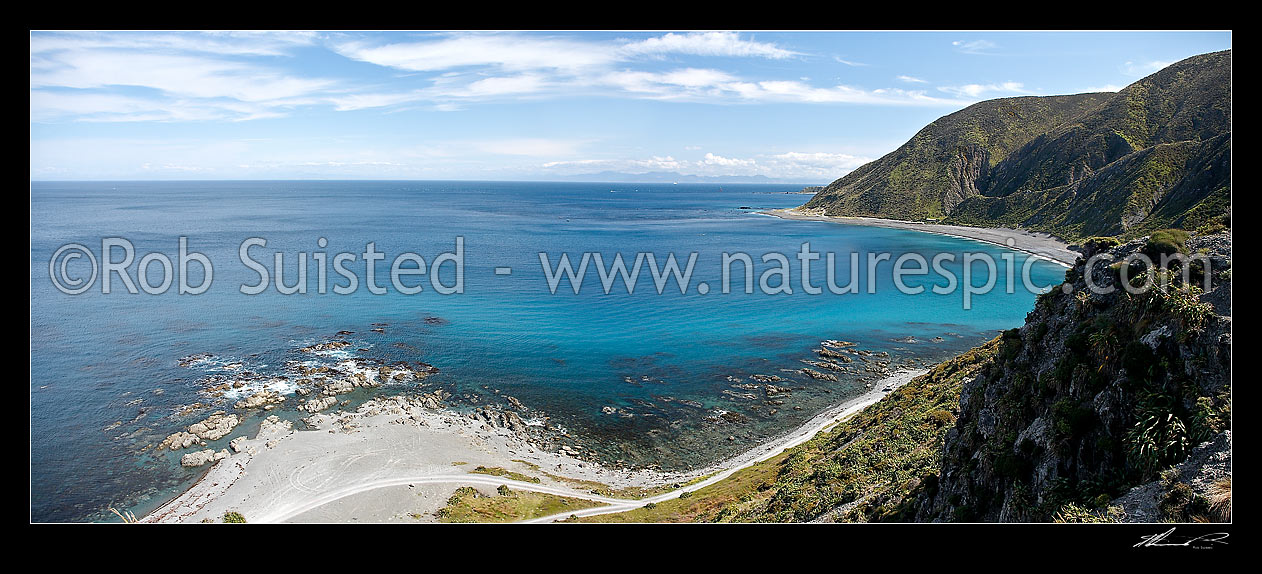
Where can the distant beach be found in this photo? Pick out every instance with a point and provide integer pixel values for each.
(1042, 245)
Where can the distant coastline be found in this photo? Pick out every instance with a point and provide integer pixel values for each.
(1042, 245)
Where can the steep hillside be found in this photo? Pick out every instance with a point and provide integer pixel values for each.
(1189, 100)
(1155, 155)
(945, 162)
(1094, 395)
(1185, 185)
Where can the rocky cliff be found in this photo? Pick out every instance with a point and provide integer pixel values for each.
(1096, 394)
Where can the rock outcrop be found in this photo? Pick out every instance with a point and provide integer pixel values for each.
(214, 427)
(1095, 394)
(201, 457)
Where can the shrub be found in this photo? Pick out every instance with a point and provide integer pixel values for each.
(1220, 499)
(1159, 437)
(1070, 419)
(941, 417)
(1211, 228)
(1166, 241)
(460, 493)
(1182, 504)
(1012, 466)
(233, 518)
(1138, 360)
(1074, 513)
(1186, 306)
(1095, 245)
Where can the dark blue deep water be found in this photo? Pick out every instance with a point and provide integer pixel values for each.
(107, 383)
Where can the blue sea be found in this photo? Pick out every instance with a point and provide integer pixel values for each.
(112, 374)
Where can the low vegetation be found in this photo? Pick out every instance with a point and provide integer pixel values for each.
(467, 504)
(499, 471)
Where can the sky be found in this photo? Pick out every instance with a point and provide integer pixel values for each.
(796, 106)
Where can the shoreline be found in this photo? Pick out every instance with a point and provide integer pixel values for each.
(821, 422)
(1042, 245)
(408, 460)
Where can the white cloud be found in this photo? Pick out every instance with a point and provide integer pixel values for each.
(563, 66)
(979, 90)
(912, 80)
(790, 91)
(974, 46)
(838, 161)
(142, 77)
(98, 107)
(711, 159)
(852, 63)
(517, 52)
(1104, 88)
(728, 44)
(218, 76)
(803, 166)
(1138, 69)
(503, 51)
(531, 147)
(350, 102)
(187, 76)
(654, 163)
(222, 43)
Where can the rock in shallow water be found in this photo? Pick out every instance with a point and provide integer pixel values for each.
(201, 457)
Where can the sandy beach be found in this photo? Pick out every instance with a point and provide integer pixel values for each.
(1039, 244)
(393, 461)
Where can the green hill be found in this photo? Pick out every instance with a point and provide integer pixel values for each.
(1155, 155)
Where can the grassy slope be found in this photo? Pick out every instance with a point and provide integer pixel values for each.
(912, 181)
(468, 505)
(1184, 185)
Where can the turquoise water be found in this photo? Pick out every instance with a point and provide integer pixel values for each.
(107, 382)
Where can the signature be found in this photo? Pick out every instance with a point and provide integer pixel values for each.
(1164, 539)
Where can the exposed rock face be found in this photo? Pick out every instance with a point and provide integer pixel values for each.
(215, 427)
(194, 459)
(274, 427)
(1095, 394)
(1204, 473)
(179, 440)
(325, 347)
(971, 163)
(259, 399)
(317, 405)
(500, 419)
